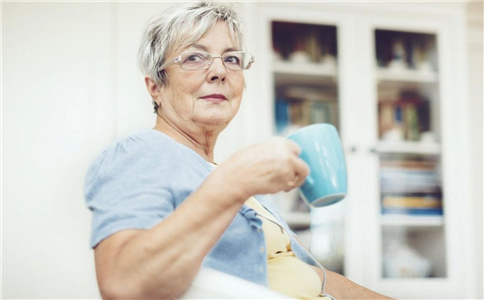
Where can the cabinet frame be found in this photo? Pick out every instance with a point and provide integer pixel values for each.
(357, 97)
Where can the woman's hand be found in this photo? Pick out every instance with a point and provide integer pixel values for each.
(264, 168)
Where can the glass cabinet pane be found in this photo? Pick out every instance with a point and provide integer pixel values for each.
(305, 70)
(411, 190)
(306, 92)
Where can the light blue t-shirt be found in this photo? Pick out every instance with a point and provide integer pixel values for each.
(140, 179)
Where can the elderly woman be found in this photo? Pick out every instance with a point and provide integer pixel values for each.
(162, 207)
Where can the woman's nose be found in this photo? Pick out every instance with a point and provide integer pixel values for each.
(217, 71)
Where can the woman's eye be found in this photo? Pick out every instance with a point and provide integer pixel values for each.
(232, 60)
(195, 57)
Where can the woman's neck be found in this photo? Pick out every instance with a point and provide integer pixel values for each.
(199, 140)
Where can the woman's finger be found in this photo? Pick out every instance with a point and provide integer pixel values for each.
(301, 171)
(293, 147)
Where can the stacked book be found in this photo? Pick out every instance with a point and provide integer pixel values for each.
(303, 106)
(408, 113)
(410, 187)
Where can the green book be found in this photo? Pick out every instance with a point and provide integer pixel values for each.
(320, 112)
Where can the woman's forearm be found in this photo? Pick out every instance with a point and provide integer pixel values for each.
(161, 262)
(342, 288)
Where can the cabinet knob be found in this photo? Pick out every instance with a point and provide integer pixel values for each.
(353, 149)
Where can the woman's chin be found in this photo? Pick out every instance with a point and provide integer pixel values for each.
(214, 115)
(213, 119)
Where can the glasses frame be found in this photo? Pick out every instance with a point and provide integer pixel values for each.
(177, 60)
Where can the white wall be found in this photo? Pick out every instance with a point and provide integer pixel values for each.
(70, 87)
(475, 52)
(57, 100)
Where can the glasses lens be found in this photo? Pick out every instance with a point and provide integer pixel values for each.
(195, 60)
(237, 60)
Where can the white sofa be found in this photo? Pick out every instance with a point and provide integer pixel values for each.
(211, 284)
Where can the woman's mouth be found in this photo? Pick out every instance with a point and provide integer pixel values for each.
(214, 98)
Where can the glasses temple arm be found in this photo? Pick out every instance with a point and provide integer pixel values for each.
(167, 64)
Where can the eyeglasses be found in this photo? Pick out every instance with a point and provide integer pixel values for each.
(237, 60)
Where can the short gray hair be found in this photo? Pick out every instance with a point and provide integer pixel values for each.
(181, 26)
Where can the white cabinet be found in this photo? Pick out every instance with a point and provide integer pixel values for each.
(389, 77)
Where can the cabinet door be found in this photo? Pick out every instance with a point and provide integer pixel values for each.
(304, 56)
(412, 253)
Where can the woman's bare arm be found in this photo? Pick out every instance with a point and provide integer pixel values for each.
(160, 263)
(341, 287)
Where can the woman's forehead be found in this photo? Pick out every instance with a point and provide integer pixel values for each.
(207, 48)
(214, 49)
(205, 42)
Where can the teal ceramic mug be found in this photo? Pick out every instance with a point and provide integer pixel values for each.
(322, 151)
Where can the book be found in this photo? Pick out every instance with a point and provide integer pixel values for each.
(408, 188)
(410, 113)
(282, 115)
(306, 108)
(434, 195)
(334, 113)
(295, 112)
(402, 176)
(413, 211)
(320, 113)
(411, 202)
(409, 164)
(386, 119)
(411, 122)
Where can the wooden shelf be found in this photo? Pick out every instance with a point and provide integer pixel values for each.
(297, 219)
(417, 221)
(305, 69)
(408, 147)
(304, 73)
(389, 75)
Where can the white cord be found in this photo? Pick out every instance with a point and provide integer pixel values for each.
(307, 252)
(321, 267)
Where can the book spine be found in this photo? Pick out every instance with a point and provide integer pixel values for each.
(282, 115)
(411, 202)
(412, 211)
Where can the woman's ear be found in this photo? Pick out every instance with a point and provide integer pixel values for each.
(153, 88)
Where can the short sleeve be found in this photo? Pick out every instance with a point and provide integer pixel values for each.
(127, 187)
